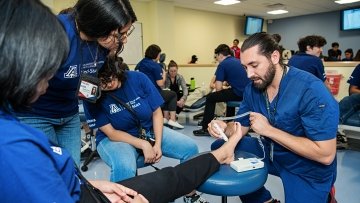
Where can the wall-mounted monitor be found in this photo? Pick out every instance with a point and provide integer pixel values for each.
(253, 25)
(350, 19)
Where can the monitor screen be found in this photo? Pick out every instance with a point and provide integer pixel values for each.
(253, 25)
(350, 19)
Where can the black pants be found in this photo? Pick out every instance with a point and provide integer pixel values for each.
(171, 183)
(170, 100)
(212, 99)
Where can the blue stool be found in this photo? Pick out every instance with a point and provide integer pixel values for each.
(228, 182)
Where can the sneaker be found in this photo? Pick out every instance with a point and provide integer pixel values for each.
(166, 121)
(195, 198)
(174, 124)
(201, 132)
(275, 201)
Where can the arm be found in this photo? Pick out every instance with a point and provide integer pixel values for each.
(354, 90)
(319, 151)
(212, 83)
(118, 135)
(158, 124)
(116, 192)
(218, 85)
(183, 87)
(161, 82)
(122, 136)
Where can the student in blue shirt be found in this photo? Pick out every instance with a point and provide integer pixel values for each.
(56, 112)
(118, 129)
(231, 73)
(297, 119)
(350, 105)
(308, 59)
(149, 66)
(33, 169)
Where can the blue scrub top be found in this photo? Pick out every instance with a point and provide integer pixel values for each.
(309, 63)
(60, 99)
(139, 93)
(354, 79)
(231, 70)
(31, 169)
(305, 108)
(152, 69)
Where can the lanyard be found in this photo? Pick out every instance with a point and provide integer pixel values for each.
(272, 111)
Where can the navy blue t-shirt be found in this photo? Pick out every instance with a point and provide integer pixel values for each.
(31, 169)
(152, 69)
(60, 99)
(139, 93)
(231, 70)
(309, 63)
(309, 110)
(354, 79)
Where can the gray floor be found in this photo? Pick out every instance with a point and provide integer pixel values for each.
(347, 184)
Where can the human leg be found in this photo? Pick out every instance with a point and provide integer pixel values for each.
(185, 177)
(170, 99)
(46, 125)
(120, 156)
(348, 107)
(303, 190)
(177, 145)
(69, 136)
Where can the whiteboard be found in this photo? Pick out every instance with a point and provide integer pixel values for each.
(133, 49)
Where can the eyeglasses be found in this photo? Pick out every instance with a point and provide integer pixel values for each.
(127, 33)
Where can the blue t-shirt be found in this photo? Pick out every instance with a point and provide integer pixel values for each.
(309, 63)
(231, 70)
(304, 108)
(31, 169)
(139, 93)
(152, 69)
(60, 99)
(354, 79)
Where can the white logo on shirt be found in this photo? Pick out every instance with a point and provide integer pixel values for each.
(57, 150)
(72, 72)
(114, 108)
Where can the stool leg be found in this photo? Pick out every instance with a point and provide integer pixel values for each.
(223, 199)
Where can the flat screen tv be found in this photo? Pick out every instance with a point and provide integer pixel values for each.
(253, 25)
(350, 19)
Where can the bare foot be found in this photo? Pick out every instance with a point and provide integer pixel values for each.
(225, 154)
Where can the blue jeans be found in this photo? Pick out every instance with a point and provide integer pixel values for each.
(121, 157)
(296, 188)
(63, 132)
(350, 110)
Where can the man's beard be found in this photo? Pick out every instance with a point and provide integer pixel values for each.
(268, 78)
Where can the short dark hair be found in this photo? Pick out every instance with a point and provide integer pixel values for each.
(109, 69)
(236, 40)
(152, 51)
(312, 41)
(335, 44)
(266, 42)
(97, 18)
(277, 37)
(172, 63)
(32, 46)
(224, 50)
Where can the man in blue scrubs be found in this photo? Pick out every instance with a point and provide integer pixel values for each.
(297, 119)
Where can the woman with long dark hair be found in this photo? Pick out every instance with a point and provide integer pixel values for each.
(94, 29)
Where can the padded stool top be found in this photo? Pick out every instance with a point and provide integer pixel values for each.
(233, 103)
(228, 182)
